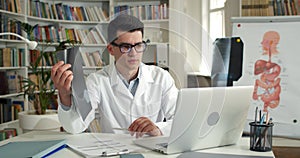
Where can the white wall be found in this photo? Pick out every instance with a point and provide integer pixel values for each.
(185, 36)
(190, 43)
(232, 9)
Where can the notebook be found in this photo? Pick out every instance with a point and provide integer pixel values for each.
(204, 118)
(34, 149)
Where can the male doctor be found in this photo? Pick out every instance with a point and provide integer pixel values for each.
(127, 93)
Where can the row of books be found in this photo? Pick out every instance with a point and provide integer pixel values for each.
(48, 59)
(91, 59)
(51, 33)
(60, 11)
(12, 57)
(15, 57)
(7, 133)
(9, 25)
(144, 12)
(15, 6)
(10, 82)
(9, 109)
(269, 7)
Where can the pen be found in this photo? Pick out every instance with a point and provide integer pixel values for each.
(260, 115)
(258, 130)
(262, 119)
(105, 153)
(255, 119)
(265, 132)
(267, 118)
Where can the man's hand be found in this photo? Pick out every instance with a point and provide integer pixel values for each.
(142, 126)
(62, 78)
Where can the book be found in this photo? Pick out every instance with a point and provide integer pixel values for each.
(33, 149)
(5, 114)
(59, 10)
(1, 51)
(7, 133)
(18, 6)
(97, 58)
(4, 83)
(2, 135)
(12, 79)
(85, 59)
(10, 132)
(6, 57)
(17, 106)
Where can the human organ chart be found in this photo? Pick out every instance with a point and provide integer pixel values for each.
(271, 65)
(267, 87)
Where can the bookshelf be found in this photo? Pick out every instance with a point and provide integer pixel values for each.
(85, 23)
(265, 8)
(269, 7)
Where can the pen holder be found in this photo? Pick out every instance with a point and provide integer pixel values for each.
(260, 136)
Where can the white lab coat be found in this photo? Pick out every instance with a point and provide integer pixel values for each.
(155, 98)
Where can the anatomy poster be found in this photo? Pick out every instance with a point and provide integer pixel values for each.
(271, 65)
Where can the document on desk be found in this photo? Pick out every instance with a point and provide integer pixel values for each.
(100, 144)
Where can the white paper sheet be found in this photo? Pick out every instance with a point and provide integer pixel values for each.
(92, 145)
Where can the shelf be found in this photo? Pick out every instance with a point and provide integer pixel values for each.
(155, 21)
(7, 124)
(11, 95)
(11, 41)
(13, 68)
(37, 19)
(11, 14)
(81, 45)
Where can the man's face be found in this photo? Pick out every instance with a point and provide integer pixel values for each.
(131, 60)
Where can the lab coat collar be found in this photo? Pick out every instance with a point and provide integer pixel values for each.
(145, 77)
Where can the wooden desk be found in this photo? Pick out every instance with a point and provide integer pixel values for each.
(286, 152)
(286, 147)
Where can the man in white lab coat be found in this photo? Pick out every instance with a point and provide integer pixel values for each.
(127, 93)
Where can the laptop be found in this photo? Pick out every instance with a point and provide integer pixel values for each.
(204, 118)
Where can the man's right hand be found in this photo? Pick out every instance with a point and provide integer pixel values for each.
(62, 78)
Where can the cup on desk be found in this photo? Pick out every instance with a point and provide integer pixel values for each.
(261, 136)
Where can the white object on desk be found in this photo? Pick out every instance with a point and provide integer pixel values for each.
(241, 148)
(204, 118)
(92, 145)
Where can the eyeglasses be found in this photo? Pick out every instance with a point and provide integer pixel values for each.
(126, 47)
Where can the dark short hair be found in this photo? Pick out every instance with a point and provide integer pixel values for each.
(126, 23)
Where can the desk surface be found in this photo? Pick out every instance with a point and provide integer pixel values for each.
(241, 148)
